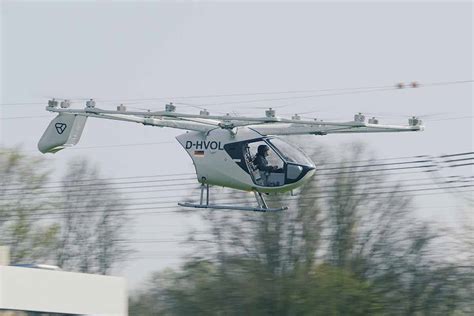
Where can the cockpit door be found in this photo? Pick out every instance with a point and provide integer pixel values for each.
(283, 165)
(269, 171)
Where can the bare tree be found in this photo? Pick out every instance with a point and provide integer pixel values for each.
(94, 222)
(22, 181)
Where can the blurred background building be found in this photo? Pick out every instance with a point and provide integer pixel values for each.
(46, 290)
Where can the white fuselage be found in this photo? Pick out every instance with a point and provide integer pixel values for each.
(215, 166)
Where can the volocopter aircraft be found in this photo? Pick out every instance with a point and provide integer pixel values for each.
(223, 148)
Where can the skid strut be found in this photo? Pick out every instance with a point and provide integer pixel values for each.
(204, 203)
(204, 187)
(260, 200)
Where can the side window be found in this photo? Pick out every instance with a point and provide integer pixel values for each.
(273, 159)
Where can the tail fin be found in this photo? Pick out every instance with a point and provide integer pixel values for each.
(64, 131)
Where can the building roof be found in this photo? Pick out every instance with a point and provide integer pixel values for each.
(29, 289)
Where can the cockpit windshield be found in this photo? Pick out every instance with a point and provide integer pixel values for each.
(291, 153)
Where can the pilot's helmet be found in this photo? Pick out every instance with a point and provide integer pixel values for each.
(262, 149)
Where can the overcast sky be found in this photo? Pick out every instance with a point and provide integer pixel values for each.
(124, 50)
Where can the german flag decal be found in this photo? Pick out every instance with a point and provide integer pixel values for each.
(199, 153)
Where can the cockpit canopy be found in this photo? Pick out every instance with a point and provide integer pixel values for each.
(289, 153)
(282, 164)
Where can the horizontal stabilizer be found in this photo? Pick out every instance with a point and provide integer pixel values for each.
(65, 130)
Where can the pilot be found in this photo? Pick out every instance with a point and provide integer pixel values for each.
(261, 161)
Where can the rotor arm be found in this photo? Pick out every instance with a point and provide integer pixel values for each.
(268, 125)
(331, 128)
(129, 117)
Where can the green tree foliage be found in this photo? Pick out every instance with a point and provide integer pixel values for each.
(22, 178)
(80, 226)
(348, 245)
(202, 289)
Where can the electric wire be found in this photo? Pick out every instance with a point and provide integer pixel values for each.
(190, 187)
(121, 145)
(377, 165)
(69, 185)
(172, 228)
(321, 167)
(168, 186)
(97, 147)
(24, 117)
(190, 183)
(74, 189)
(451, 118)
(185, 236)
(159, 176)
(98, 183)
(173, 208)
(295, 98)
(382, 169)
(161, 199)
(314, 194)
(191, 176)
(371, 88)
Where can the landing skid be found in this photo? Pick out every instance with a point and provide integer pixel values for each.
(204, 203)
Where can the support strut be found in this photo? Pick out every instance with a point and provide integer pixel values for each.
(260, 200)
(204, 203)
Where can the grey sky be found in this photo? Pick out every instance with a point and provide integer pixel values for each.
(125, 50)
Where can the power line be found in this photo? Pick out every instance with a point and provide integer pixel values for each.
(96, 147)
(188, 187)
(297, 98)
(24, 117)
(157, 210)
(172, 228)
(209, 96)
(383, 169)
(168, 186)
(457, 154)
(371, 88)
(314, 195)
(172, 208)
(75, 189)
(159, 176)
(378, 165)
(99, 183)
(361, 91)
(100, 187)
(161, 198)
(69, 184)
(180, 186)
(22, 103)
(461, 165)
(374, 162)
(451, 118)
(447, 83)
(186, 237)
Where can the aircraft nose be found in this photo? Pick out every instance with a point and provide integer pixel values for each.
(310, 168)
(310, 172)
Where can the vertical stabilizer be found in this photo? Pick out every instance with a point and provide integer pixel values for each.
(65, 130)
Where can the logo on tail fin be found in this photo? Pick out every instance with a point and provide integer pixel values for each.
(60, 127)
